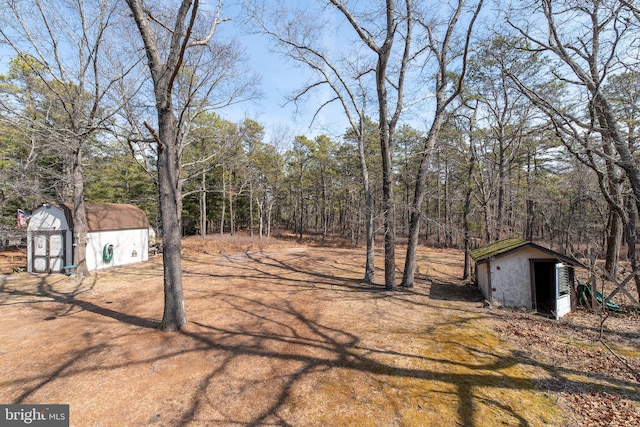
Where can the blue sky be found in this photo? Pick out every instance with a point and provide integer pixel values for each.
(280, 78)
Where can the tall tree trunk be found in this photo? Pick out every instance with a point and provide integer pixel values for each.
(224, 202)
(268, 217)
(250, 207)
(501, 184)
(301, 205)
(486, 210)
(203, 204)
(631, 237)
(324, 218)
(232, 213)
(170, 191)
(386, 149)
(369, 269)
(442, 101)
(79, 215)
(530, 206)
(529, 228)
(614, 223)
(261, 209)
(388, 206)
(418, 200)
(164, 71)
(613, 241)
(387, 123)
(448, 236)
(466, 274)
(612, 133)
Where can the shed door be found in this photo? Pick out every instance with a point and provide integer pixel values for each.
(48, 252)
(563, 290)
(544, 293)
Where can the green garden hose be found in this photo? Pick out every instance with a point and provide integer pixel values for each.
(107, 252)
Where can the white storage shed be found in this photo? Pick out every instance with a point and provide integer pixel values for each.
(118, 234)
(516, 273)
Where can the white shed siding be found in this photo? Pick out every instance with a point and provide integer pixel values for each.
(129, 246)
(48, 218)
(483, 279)
(511, 277)
(510, 280)
(49, 224)
(563, 306)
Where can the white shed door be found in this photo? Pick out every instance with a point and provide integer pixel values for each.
(40, 247)
(56, 252)
(563, 291)
(48, 252)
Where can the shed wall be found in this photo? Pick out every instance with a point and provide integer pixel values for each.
(511, 277)
(129, 246)
(483, 279)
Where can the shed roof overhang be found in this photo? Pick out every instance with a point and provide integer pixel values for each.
(507, 246)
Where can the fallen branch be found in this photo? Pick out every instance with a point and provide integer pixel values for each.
(624, 362)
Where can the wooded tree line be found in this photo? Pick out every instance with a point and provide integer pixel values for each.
(464, 125)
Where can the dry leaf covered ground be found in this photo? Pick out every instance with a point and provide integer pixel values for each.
(285, 334)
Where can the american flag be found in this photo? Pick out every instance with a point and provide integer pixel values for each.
(22, 218)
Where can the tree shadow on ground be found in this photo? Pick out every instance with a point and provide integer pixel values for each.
(450, 291)
(298, 345)
(69, 300)
(343, 350)
(313, 347)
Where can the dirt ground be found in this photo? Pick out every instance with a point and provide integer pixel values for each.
(281, 333)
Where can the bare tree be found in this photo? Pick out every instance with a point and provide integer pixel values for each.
(64, 45)
(297, 37)
(446, 48)
(387, 120)
(582, 58)
(166, 39)
(464, 123)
